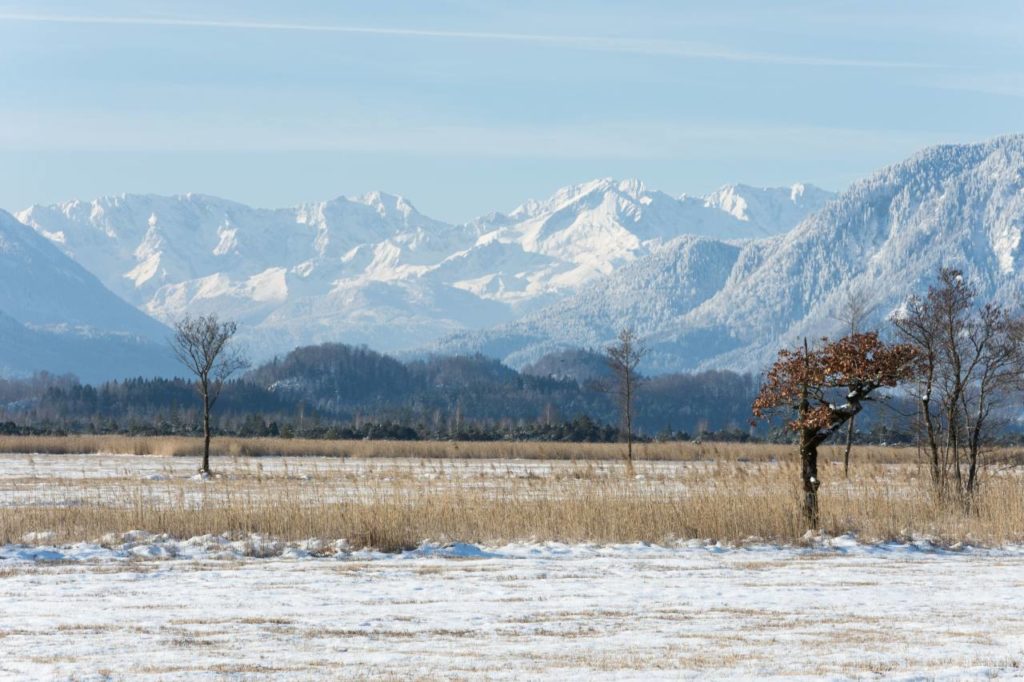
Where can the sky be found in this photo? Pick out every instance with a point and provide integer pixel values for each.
(465, 107)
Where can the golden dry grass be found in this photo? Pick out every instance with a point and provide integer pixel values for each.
(175, 446)
(180, 446)
(397, 504)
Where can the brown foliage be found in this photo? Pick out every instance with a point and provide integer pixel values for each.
(805, 381)
(860, 363)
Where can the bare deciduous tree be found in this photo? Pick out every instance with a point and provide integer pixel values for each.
(203, 345)
(624, 357)
(825, 388)
(970, 360)
(853, 312)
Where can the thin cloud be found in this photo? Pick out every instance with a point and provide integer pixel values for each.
(105, 131)
(999, 84)
(667, 48)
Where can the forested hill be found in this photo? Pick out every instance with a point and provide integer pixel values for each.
(340, 380)
(336, 384)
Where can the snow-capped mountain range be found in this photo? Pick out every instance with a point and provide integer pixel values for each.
(700, 303)
(717, 281)
(373, 270)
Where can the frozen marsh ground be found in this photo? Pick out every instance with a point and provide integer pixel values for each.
(835, 610)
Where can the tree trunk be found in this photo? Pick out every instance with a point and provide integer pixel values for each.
(933, 444)
(629, 434)
(808, 454)
(809, 474)
(629, 421)
(205, 468)
(972, 478)
(974, 454)
(849, 444)
(629, 446)
(954, 444)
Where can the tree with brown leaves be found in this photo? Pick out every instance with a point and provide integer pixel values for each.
(825, 388)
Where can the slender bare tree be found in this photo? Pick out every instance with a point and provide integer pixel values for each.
(204, 345)
(854, 309)
(970, 361)
(853, 312)
(624, 357)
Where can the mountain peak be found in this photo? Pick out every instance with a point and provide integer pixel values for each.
(388, 203)
(632, 187)
(774, 209)
(581, 193)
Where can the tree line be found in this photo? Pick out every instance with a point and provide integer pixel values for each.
(335, 390)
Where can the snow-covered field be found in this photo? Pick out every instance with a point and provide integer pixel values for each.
(137, 605)
(838, 609)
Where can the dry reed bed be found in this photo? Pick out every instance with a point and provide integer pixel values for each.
(180, 446)
(58, 480)
(574, 502)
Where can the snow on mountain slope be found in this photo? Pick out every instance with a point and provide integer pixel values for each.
(199, 254)
(56, 316)
(644, 295)
(954, 205)
(42, 287)
(591, 230)
(226, 247)
(371, 269)
(566, 271)
(774, 209)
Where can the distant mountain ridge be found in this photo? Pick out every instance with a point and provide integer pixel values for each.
(703, 305)
(373, 270)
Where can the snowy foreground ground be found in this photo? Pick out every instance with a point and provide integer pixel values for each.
(158, 609)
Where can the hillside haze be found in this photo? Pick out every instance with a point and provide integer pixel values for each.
(56, 316)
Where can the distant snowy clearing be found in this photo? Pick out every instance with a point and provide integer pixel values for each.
(150, 606)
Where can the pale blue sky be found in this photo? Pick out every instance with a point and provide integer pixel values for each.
(469, 106)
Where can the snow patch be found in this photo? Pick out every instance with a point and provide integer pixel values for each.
(142, 544)
(228, 240)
